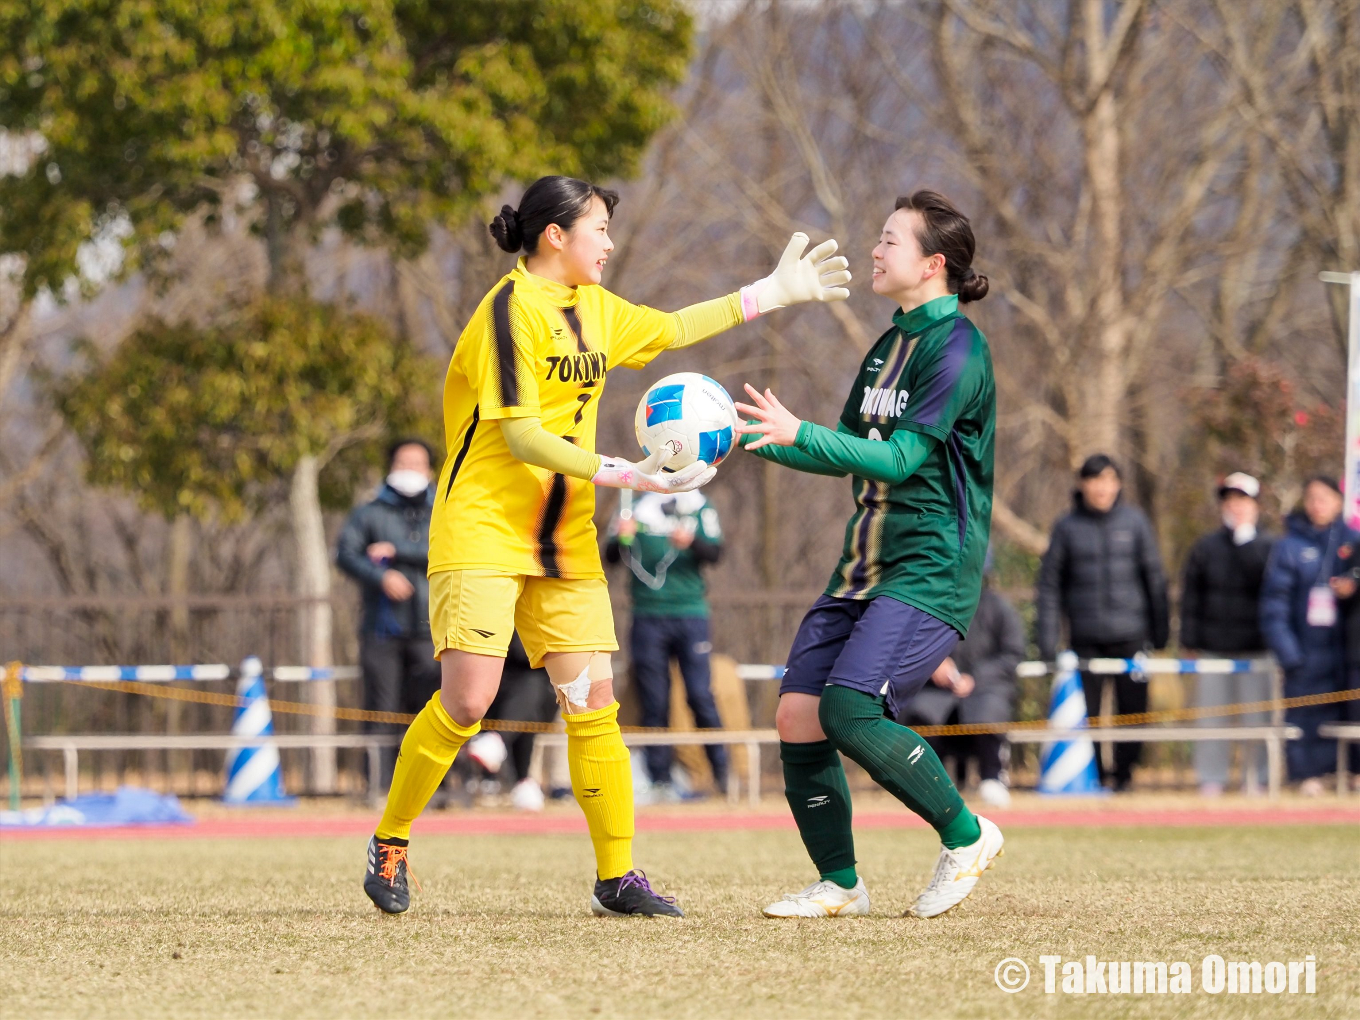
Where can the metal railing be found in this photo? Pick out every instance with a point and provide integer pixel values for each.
(1133, 728)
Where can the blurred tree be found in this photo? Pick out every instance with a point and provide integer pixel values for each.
(197, 421)
(1258, 421)
(375, 116)
(1298, 66)
(205, 421)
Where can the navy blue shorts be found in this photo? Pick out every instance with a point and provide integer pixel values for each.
(880, 646)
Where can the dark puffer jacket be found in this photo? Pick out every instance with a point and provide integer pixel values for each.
(1104, 573)
(1220, 599)
(994, 647)
(405, 522)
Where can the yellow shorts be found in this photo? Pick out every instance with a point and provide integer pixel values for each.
(477, 610)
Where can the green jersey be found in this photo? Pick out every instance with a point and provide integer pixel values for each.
(666, 580)
(923, 541)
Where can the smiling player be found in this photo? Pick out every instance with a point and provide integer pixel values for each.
(917, 434)
(512, 538)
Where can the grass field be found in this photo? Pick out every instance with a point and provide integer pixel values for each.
(209, 927)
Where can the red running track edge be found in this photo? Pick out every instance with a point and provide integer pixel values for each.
(281, 824)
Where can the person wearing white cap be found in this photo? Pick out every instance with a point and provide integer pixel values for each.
(1220, 615)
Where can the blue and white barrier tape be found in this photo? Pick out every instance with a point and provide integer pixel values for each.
(749, 671)
(165, 674)
(760, 672)
(146, 674)
(1102, 666)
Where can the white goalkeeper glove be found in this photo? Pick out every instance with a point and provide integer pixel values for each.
(820, 275)
(617, 473)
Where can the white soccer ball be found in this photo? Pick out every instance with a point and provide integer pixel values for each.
(691, 415)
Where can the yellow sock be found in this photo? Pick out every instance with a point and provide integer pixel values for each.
(602, 779)
(428, 749)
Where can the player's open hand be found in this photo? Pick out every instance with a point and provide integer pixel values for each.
(649, 476)
(820, 275)
(770, 420)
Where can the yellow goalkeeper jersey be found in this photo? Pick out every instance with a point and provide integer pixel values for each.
(533, 348)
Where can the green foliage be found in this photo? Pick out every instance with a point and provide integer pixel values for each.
(380, 116)
(204, 420)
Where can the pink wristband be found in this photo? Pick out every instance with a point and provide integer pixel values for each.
(749, 308)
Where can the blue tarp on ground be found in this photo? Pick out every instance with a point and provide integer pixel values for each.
(128, 805)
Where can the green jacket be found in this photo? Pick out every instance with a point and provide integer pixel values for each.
(667, 580)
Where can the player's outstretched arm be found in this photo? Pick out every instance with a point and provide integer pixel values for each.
(791, 457)
(772, 424)
(531, 443)
(820, 275)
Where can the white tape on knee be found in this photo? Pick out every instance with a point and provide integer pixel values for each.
(577, 692)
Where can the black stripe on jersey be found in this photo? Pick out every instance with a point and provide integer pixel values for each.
(548, 522)
(463, 451)
(574, 323)
(505, 345)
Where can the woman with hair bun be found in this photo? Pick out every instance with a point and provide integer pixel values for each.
(917, 435)
(512, 537)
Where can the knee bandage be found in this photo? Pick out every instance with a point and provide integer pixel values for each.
(574, 695)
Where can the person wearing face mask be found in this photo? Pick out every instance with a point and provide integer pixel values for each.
(1220, 596)
(1103, 572)
(385, 546)
(1302, 622)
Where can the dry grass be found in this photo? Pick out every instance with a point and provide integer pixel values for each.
(254, 928)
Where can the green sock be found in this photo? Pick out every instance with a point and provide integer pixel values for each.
(898, 760)
(962, 831)
(846, 878)
(818, 795)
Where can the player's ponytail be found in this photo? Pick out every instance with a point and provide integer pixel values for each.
(560, 200)
(945, 231)
(506, 230)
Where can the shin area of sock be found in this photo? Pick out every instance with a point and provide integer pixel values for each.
(428, 749)
(895, 756)
(602, 780)
(819, 797)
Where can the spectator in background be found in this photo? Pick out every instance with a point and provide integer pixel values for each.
(1220, 614)
(976, 684)
(1347, 588)
(385, 546)
(666, 541)
(1302, 625)
(1103, 572)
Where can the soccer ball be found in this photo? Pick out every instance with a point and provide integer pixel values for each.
(689, 413)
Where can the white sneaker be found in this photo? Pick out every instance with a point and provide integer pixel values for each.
(527, 796)
(822, 899)
(488, 750)
(957, 872)
(993, 793)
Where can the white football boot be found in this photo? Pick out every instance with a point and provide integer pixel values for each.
(957, 872)
(822, 899)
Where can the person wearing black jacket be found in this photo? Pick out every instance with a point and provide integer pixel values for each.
(385, 546)
(1103, 573)
(1220, 615)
